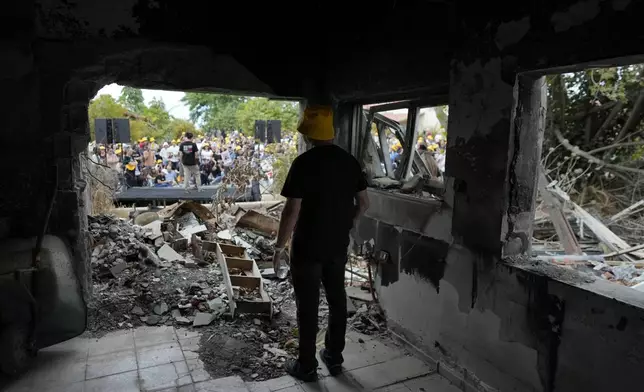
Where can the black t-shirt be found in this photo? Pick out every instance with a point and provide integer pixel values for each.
(189, 153)
(327, 179)
(216, 157)
(159, 179)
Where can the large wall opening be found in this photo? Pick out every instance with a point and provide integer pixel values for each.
(589, 215)
(245, 144)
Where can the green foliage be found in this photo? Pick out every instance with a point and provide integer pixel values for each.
(150, 121)
(216, 111)
(132, 99)
(104, 106)
(178, 127)
(590, 108)
(263, 109)
(213, 110)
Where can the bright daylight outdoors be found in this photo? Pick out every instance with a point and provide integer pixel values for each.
(245, 144)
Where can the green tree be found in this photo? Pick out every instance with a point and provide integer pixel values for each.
(158, 117)
(104, 106)
(178, 127)
(599, 111)
(132, 99)
(264, 109)
(213, 111)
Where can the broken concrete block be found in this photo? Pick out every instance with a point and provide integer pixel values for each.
(189, 231)
(168, 254)
(183, 320)
(152, 320)
(117, 269)
(161, 308)
(268, 273)
(176, 313)
(190, 264)
(202, 319)
(146, 218)
(154, 229)
(225, 235)
(137, 311)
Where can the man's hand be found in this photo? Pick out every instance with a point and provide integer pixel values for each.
(278, 255)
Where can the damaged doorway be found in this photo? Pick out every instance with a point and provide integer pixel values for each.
(590, 211)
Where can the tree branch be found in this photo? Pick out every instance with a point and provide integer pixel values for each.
(611, 117)
(592, 159)
(616, 145)
(632, 120)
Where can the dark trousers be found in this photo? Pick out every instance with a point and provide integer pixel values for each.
(307, 273)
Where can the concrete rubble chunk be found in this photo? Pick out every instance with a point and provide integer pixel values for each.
(190, 264)
(145, 218)
(161, 308)
(168, 254)
(189, 231)
(117, 269)
(154, 229)
(137, 311)
(217, 305)
(202, 319)
(359, 294)
(152, 320)
(225, 235)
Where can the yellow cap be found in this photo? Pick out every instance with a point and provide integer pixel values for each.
(151, 139)
(159, 161)
(130, 166)
(117, 152)
(317, 123)
(101, 147)
(237, 148)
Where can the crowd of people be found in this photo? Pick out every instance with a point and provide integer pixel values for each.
(431, 149)
(190, 160)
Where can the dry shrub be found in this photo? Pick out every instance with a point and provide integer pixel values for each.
(103, 182)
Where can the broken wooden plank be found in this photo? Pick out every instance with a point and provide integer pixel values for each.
(624, 251)
(554, 209)
(227, 282)
(627, 211)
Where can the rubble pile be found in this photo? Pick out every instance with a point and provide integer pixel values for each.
(588, 241)
(160, 272)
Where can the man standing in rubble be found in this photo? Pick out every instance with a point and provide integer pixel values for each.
(325, 193)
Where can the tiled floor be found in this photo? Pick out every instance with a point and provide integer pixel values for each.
(165, 359)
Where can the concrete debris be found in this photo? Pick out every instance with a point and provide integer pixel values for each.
(225, 235)
(359, 294)
(118, 268)
(168, 254)
(202, 319)
(145, 218)
(586, 244)
(137, 311)
(161, 308)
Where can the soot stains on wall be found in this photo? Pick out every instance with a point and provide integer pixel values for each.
(388, 239)
(423, 256)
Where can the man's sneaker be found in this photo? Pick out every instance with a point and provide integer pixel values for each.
(334, 366)
(294, 368)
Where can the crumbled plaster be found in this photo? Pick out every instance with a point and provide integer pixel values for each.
(483, 93)
(577, 14)
(510, 33)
